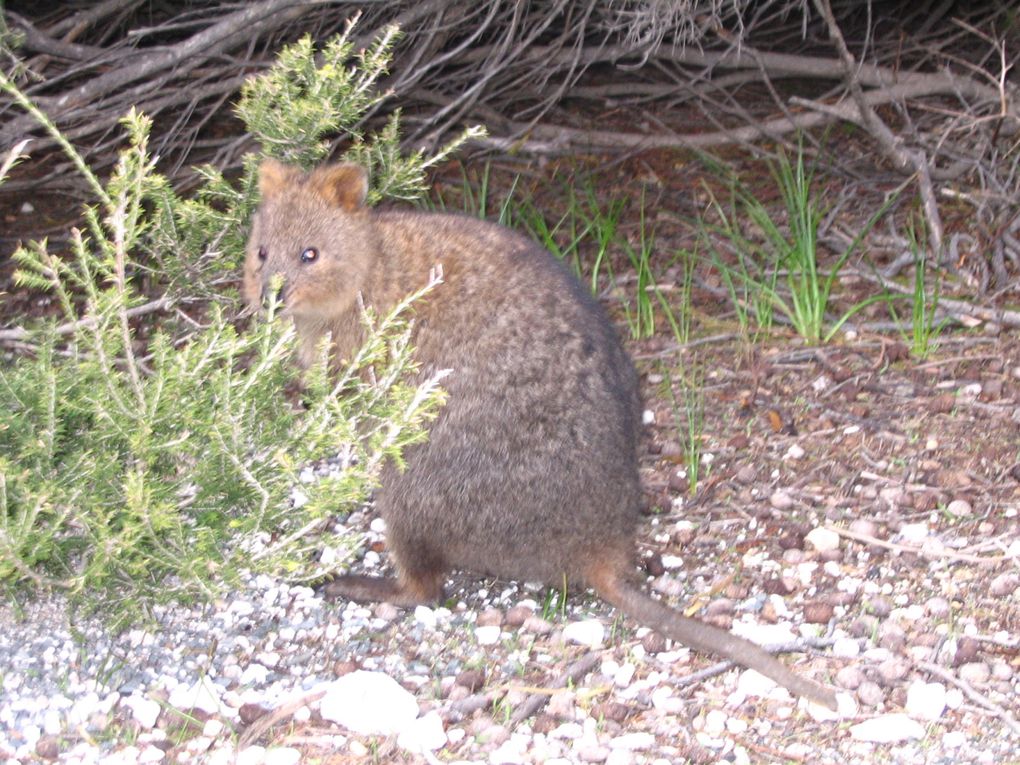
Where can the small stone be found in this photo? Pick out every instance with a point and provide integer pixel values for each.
(849, 677)
(817, 612)
(960, 508)
(249, 713)
(145, 711)
(425, 616)
(488, 635)
(490, 617)
(880, 606)
(282, 755)
(370, 703)
(536, 625)
(1004, 584)
(425, 734)
(781, 500)
(251, 755)
(517, 616)
(795, 452)
(822, 539)
(746, 475)
(653, 642)
(593, 754)
(715, 723)
(937, 606)
(590, 632)
(203, 695)
(846, 648)
(865, 527)
(472, 679)
(914, 533)
(975, 672)
(954, 739)
(633, 741)
(870, 693)
(887, 729)
(925, 701)
(893, 670)
(48, 747)
(1001, 670)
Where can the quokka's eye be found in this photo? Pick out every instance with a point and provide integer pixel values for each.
(309, 255)
(263, 253)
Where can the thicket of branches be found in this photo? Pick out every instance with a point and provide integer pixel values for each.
(928, 82)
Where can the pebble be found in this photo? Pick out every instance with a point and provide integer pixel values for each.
(914, 533)
(590, 632)
(846, 648)
(370, 703)
(781, 500)
(870, 693)
(1004, 584)
(281, 755)
(975, 672)
(925, 701)
(633, 741)
(960, 508)
(488, 634)
(887, 729)
(424, 734)
(893, 670)
(425, 616)
(822, 539)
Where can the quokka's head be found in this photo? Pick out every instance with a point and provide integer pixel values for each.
(312, 231)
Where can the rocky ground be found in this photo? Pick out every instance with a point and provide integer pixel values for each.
(849, 495)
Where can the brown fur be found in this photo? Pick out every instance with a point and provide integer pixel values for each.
(531, 469)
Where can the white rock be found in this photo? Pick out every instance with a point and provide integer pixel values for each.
(632, 741)
(212, 727)
(959, 508)
(151, 754)
(369, 703)
(282, 755)
(846, 648)
(914, 532)
(925, 701)
(781, 500)
(378, 525)
(954, 739)
(795, 452)
(425, 616)
(648, 417)
(254, 674)
(822, 539)
(488, 634)
(425, 734)
(887, 729)
(567, 731)
(715, 722)
(590, 632)
(251, 755)
(764, 634)
(202, 695)
(144, 711)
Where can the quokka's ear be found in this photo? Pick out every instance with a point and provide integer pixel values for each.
(344, 184)
(274, 176)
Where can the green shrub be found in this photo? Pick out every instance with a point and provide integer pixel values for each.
(148, 453)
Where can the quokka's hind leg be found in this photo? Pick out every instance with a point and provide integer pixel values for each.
(419, 582)
(400, 591)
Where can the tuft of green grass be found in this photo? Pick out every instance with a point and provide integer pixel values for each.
(925, 328)
(688, 417)
(774, 254)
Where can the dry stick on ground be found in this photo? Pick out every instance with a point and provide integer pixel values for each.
(959, 310)
(283, 712)
(980, 699)
(903, 159)
(536, 701)
(919, 550)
